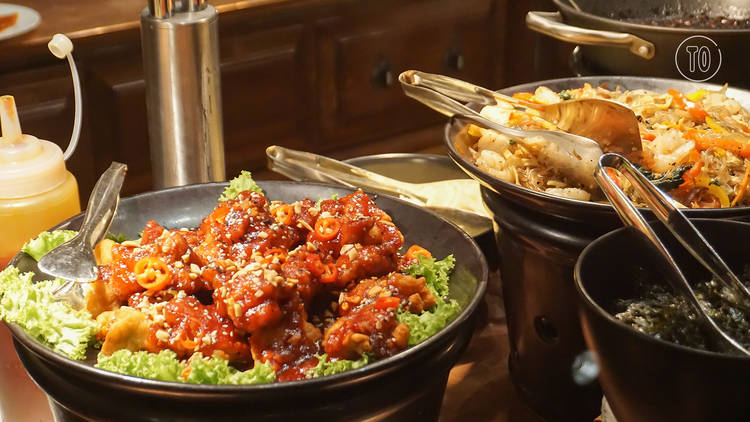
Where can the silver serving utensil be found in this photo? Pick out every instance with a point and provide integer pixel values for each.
(610, 124)
(74, 260)
(299, 165)
(572, 155)
(666, 210)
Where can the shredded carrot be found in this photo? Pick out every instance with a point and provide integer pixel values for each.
(680, 101)
(690, 175)
(742, 188)
(648, 136)
(738, 147)
(526, 96)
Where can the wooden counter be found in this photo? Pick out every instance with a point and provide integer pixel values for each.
(318, 75)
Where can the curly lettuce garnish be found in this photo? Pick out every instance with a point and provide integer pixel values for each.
(436, 274)
(53, 323)
(239, 184)
(165, 366)
(46, 241)
(330, 367)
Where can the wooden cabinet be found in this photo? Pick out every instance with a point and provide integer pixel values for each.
(315, 75)
(361, 58)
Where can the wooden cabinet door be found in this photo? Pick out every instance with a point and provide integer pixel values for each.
(362, 55)
(267, 90)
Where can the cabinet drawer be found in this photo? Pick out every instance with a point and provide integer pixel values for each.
(266, 95)
(360, 62)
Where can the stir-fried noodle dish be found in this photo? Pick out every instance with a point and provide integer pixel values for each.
(695, 145)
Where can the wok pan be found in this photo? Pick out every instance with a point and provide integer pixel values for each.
(614, 46)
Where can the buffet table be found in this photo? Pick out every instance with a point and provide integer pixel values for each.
(480, 387)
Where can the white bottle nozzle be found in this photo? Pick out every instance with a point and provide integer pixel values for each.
(11, 128)
(62, 47)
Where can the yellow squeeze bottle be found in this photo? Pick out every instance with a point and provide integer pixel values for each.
(36, 190)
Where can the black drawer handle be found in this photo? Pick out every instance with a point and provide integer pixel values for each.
(382, 75)
(454, 59)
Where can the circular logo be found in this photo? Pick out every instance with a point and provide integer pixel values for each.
(698, 58)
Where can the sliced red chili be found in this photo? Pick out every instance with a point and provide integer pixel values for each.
(327, 228)
(314, 264)
(272, 253)
(152, 273)
(387, 302)
(330, 274)
(284, 214)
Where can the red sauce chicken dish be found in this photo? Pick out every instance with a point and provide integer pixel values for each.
(287, 285)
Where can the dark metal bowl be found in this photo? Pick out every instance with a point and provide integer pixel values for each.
(411, 167)
(539, 237)
(385, 390)
(646, 379)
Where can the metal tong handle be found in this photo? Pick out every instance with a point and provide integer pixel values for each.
(299, 165)
(667, 212)
(438, 101)
(96, 221)
(461, 90)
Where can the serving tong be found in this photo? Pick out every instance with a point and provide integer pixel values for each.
(581, 130)
(301, 165)
(667, 211)
(74, 260)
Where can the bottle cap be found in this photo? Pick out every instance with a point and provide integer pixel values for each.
(28, 166)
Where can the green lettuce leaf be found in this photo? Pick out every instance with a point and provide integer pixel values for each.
(46, 241)
(165, 366)
(239, 184)
(423, 326)
(117, 238)
(32, 306)
(436, 274)
(330, 367)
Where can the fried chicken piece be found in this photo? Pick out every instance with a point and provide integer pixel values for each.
(371, 328)
(124, 328)
(412, 292)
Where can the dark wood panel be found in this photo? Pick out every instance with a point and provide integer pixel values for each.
(360, 60)
(267, 90)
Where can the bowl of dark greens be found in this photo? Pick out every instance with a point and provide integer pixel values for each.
(656, 362)
(265, 306)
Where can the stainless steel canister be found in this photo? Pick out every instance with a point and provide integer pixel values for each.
(183, 92)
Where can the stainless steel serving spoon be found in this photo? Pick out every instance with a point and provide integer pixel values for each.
(588, 127)
(74, 260)
(300, 165)
(666, 210)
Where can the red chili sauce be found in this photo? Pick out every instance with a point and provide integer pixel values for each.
(260, 282)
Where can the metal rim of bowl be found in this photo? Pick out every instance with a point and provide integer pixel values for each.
(640, 27)
(382, 367)
(487, 179)
(589, 302)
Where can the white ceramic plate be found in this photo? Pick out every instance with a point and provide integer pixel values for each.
(28, 19)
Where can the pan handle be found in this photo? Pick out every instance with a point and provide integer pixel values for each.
(550, 23)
